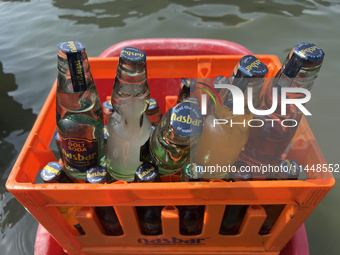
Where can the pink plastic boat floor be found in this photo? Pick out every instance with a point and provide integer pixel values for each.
(46, 245)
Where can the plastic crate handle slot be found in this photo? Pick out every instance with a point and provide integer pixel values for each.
(203, 69)
(170, 221)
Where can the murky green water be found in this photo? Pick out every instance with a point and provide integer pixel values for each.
(30, 31)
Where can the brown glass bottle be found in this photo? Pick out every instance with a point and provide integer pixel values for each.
(149, 216)
(106, 214)
(154, 113)
(287, 170)
(234, 214)
(53, 173)
(187, 89)
(191, 216)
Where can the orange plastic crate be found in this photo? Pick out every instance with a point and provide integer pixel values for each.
(300, 197)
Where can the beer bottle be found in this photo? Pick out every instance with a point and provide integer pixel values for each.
(53, 173)
(299, 70)
(129, 128)
(174, 138)
(191, 216)
(154, 113)
(221, 143)
(149, 216)
(187, 89)
(234, 214)
(106, 214)
(287, 170)
(79, 113)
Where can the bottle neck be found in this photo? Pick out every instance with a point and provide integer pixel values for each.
(304, 78)
(72, 71)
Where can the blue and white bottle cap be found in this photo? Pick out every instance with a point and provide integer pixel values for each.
(51, 171)
(96, 174)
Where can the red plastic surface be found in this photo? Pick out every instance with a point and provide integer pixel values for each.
(46, 245)
(178, 47)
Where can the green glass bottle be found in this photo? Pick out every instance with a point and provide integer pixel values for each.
(79, 113)
(175, 137)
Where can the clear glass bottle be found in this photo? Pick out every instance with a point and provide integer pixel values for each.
(129, 128)
(267, 143)
(79, 113)
(175, 137)
(222, 143)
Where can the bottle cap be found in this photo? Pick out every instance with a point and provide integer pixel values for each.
(106, 133)
(185, 119)
(251, 66)
(96, 174)
(302, 55)
(192, 172)
(153, 104)
(241, 173)
(288, 170)
(108, 105)
(71, 47)
(57, 136)
(152, 129)
(51, 172)
(132, 54)
(187, 83)
(221, 79)
(309, 51)
(146, 172)
(193, 100)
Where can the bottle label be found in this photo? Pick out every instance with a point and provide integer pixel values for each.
(191, 230)
(73, 50)
(79, 153)
(150, 229)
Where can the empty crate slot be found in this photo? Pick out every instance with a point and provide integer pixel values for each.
(150, 221)
(109, 220)
(273, 213)
(232, 219)
(191, 219)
